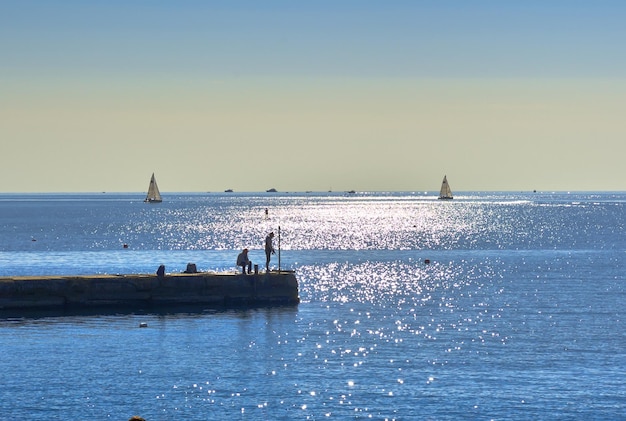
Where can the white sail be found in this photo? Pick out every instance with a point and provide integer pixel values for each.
(153, 196)
(445, 192)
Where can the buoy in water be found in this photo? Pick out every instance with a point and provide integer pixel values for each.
(427, 261)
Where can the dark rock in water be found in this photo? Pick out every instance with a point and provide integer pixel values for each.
(160, 271)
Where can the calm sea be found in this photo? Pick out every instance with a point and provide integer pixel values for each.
(490, 306)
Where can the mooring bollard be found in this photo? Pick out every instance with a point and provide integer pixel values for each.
(256, 269)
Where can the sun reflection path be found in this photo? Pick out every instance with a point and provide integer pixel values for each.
(319, 223)
(379, 283)
(455, 304)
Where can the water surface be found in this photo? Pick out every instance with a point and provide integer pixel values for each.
(517, 314)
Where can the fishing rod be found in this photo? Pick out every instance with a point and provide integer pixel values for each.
(279, 249)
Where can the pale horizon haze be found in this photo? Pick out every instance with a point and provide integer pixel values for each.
(312, 96)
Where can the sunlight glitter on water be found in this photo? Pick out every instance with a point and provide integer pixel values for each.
(365, 223)
(396, 282)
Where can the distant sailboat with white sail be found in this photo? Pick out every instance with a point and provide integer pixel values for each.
(153, 196)
(445, 193)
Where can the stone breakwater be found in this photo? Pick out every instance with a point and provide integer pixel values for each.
(91, 291)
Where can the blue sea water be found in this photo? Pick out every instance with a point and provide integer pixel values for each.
(519, 314)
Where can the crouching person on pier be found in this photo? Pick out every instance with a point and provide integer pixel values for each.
(244, 261)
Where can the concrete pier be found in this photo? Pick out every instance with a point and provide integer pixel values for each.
(91, 291)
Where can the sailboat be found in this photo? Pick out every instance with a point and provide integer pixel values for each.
(445, 193)
(153, 196)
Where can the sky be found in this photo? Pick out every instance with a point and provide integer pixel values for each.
(312, 95)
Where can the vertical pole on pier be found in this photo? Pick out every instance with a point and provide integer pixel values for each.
(279, 248)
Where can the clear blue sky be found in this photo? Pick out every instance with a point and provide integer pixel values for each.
(364, 95)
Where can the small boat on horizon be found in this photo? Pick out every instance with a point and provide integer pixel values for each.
(272, 190)
(445, 193)
(154, 195)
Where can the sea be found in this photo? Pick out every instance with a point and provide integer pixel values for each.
(490, 306)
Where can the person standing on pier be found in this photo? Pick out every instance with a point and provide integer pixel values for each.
(269, 250)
